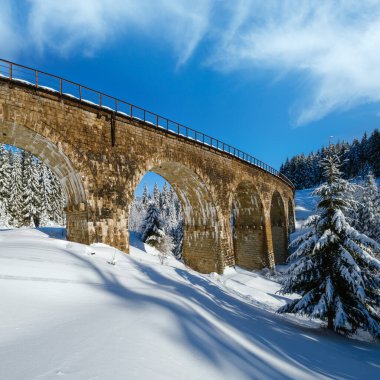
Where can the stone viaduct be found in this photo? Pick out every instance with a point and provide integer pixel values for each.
(235, 212)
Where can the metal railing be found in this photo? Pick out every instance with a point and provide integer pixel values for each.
(48, 82)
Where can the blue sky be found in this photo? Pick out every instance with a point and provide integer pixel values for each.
(273, 78)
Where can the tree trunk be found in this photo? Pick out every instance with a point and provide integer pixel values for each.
(330, 319)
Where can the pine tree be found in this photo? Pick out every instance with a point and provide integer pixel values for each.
(145, 199)
(334, 268)
(36, 191)
(368, 209)
(152, 227)
(44, 209)
(5, 185)
(176, 221)
(56, 200)
(156, 195)
(16, 191)
(165, 208)
(28, 188)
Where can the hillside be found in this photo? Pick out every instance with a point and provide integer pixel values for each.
(68, 313)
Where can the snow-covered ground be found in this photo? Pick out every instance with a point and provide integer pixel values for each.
(67, 313)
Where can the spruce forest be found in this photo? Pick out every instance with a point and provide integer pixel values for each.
(30, 194)
(358, 158)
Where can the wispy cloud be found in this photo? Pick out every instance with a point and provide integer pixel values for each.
(11, 42)
(332, 45)
(89, 24)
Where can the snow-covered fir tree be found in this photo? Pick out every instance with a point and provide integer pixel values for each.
(45, 209)
(169, 209)
(30, 189)
(334, 267)
(5, 184)
(29, 192)
(145, 197)
(153, 230)
(156, 196)
(367, 208)
(15, 196)
(56, 200)
(176, 219)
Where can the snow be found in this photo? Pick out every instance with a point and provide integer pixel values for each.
(48, 88)
(66, 312)
(70, 95)
(305, 205)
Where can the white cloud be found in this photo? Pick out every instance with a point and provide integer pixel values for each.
(11, 43)
(89, 24)
(333, 46)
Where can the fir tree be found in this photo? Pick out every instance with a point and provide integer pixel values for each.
(5, 184)
(156, 195)
(16, 191)
(334, 268)
(29, 188)
(152, 227)
(368, 209)
(145, 198)
(56, 200)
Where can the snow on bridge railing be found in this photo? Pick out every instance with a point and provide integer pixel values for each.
(49, 82)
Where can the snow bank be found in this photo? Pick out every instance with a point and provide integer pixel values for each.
(66, 312)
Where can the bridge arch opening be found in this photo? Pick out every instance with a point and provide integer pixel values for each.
(59, 164)
(154, 192)
(247, 222)
(200, 243)
(279, 231)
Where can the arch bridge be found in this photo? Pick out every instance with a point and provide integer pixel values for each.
(237, 210)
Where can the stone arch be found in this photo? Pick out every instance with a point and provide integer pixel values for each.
(72, 185)
(278, 226)
(291, 217)
(248, 227)
(201, 245)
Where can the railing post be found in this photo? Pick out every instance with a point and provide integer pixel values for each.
(60, 86)
(80, 93)
(116, 105)
(10, 71)
(157, 121)
(36, 78)
(131, 110)
(144, 115)
(100, 99)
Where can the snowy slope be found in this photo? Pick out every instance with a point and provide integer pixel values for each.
(305, 205)
(66, 313)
